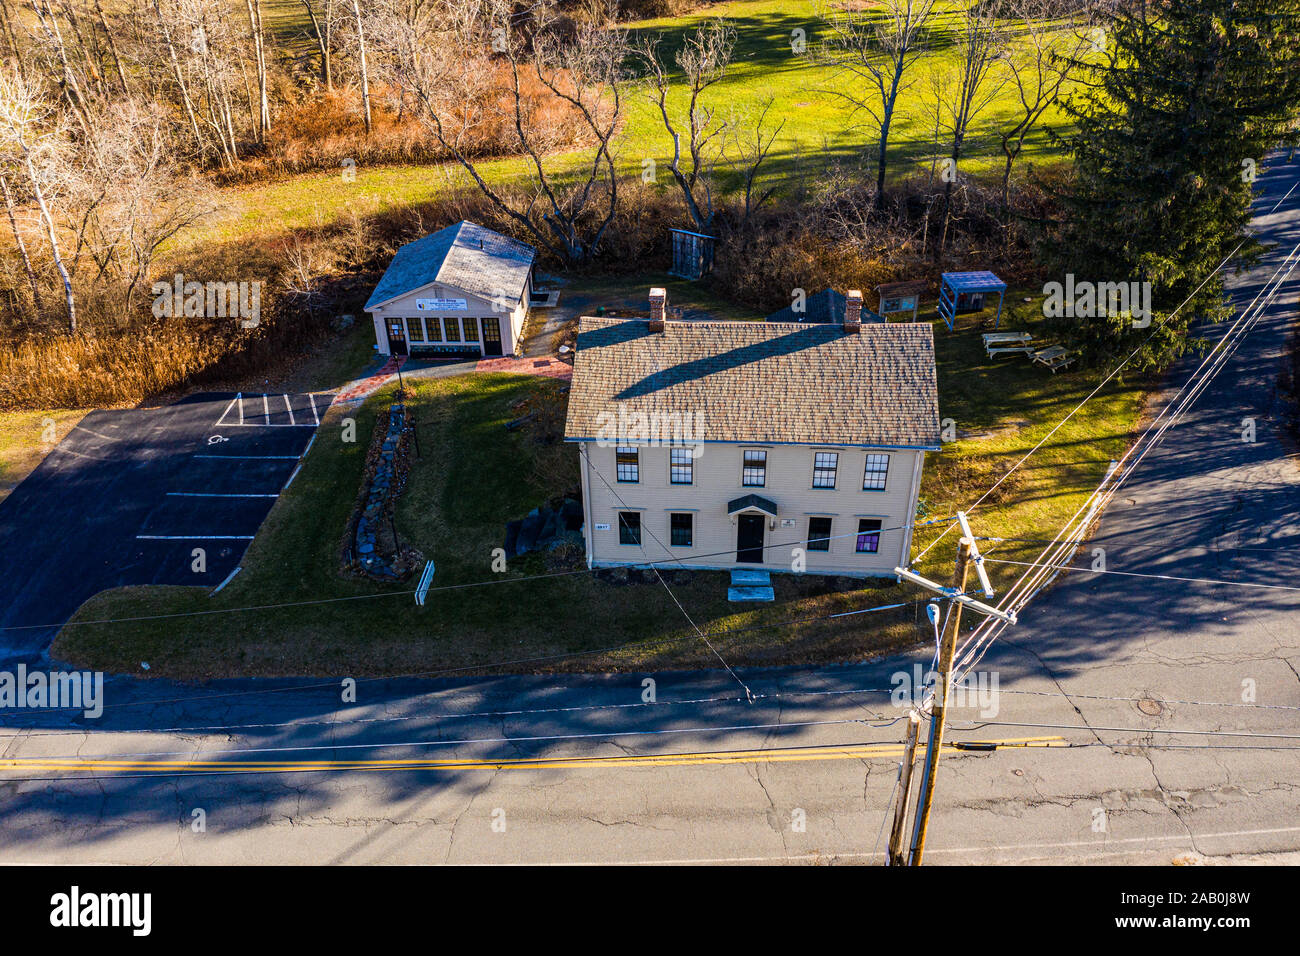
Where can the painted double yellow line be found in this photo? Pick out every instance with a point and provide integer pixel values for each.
(121, 765)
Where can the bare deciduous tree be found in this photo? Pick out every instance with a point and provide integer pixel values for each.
(448, 59)
(129, 199)
(871, 54)
(323, 27)
(750, 143)
(365, 71)
(962, 94)
(32, 141)
(1038, 66)
(259, 61)
(702, 59)
(21, 245)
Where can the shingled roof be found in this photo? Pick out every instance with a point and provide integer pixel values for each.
(466, 256)
(824, 306)
(761, 382)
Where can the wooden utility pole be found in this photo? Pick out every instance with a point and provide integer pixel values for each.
(938, 710)
(896, 857)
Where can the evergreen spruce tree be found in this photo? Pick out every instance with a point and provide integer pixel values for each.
(1181, 106)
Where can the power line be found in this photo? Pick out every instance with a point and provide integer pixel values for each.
(1038, 575)
(1113, 372)
(492, 714)
(652, 642)
(1163, 577)
(445, 587)
(631, 705)
(748, 693)
(1091, 728)
(536, 738)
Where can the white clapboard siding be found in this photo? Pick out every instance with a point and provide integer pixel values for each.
(717, 480)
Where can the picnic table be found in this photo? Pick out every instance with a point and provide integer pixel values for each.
(1003, 343)
(1054, 357)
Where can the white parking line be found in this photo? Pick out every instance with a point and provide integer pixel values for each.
(253, 457)
(238, 402)
(226, 411)
(194, 537)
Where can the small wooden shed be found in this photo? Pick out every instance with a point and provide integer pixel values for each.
(692, 254)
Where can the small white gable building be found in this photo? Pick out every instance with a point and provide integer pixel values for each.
(463, 290)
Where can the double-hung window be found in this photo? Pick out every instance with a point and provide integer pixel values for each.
(450, 328)
(681, 528)
(754, 472)
(877, 471)
(825, 464)
(627, 463)
(868, 535)
(682, 466)
(414, 330)
(629, 527)
(819, 534)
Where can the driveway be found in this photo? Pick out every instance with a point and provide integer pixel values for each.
(169, 495)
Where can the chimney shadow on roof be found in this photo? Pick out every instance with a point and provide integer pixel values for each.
(631, 330)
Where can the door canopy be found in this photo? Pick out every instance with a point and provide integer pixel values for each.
(751, 503)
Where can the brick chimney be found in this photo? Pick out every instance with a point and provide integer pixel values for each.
(658, 308)
(853, 311)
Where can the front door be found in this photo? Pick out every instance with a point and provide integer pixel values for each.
(492, 336)
(749, 538)
(396, 337)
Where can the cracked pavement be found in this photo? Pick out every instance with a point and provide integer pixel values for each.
(1194, 781)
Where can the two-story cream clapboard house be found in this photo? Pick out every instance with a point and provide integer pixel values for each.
(463, 290)
(780, 446)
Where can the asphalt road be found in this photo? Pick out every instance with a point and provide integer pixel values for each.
(128, 496)
(1143, 719)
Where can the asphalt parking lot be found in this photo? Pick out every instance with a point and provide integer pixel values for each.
(168, 495)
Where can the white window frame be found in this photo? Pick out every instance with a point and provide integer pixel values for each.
(674, 465)
(873, 473)
(834, 469)
(635, 466)
(744, 466)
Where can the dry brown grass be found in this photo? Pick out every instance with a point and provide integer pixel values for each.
(327, 130)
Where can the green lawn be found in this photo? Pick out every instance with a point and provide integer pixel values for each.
(819, 130)
(475, 476)
(469, 483)
(1001, 408)
(24, 444)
